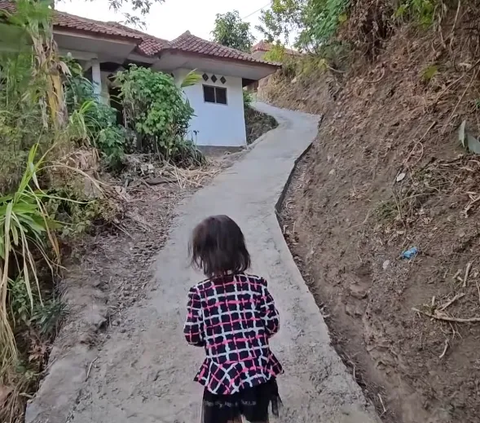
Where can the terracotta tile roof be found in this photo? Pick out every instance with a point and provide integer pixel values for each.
(65, 20)
(191, 44)
(150, 45)
(76, 23)
(147, 45)
(261, 46)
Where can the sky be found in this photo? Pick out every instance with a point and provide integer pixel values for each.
(173, 17)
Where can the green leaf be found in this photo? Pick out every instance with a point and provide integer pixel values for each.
(429, 73)
(192, 78)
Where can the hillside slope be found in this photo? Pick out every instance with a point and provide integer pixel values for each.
(388, 173)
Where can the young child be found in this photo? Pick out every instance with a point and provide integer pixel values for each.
(232, 315)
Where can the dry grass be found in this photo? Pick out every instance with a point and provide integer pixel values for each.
(195, 178)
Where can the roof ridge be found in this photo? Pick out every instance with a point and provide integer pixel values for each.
(233, 50)
(189, 43)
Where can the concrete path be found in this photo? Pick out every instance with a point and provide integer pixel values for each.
(145, 370)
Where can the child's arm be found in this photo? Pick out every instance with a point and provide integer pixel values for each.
(268, 311)
(193, 328)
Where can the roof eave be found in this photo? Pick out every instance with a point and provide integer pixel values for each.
(65, 30)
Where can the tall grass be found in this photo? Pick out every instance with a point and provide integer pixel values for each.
(26, 237)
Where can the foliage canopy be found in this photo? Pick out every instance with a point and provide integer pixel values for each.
(312, 22)
(232, 32)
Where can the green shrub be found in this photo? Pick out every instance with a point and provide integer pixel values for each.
(21, 119)
(322, 19)
(247, 98)
(276, 53)
(155, 109)
(43, 317)
(421, 11)
(90, 119)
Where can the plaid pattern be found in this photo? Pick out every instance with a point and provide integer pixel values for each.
(233, 318)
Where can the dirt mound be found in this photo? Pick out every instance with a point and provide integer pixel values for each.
(386, 174)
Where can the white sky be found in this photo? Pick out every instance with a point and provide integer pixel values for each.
(173, 17)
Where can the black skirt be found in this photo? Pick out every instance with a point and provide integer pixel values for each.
(251, 403)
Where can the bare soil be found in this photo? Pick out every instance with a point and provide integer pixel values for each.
(113, 266)
(258, 123)
(385, 174)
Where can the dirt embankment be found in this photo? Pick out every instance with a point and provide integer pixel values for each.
(385, 174)
(257, 124)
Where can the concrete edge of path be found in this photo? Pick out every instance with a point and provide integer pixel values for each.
(281, 199)
(351, 414)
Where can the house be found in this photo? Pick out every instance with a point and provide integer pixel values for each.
(104, 48)
(259, 51)
(261, 48)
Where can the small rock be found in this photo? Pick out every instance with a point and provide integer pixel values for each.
(385, 265)
(352, 310)
(358, 291)
(332, 172)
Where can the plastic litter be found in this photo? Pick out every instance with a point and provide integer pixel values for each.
(410, 253)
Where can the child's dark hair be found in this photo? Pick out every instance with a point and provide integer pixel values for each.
(218, 247)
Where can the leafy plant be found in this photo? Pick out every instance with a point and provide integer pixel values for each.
(155, 108)
(422, 11)
(91, 120)
(26, 229)
(44, 316)
(192, 78)
(276, 53)
(247, 98)
(21, 115)
(429, 72)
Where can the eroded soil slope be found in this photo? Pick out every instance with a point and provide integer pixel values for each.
(385, 174)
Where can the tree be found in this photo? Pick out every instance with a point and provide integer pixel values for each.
(232, 32)
(283, 18)
(313, 22)
(139, 7)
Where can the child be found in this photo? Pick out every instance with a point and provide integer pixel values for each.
(233, 316)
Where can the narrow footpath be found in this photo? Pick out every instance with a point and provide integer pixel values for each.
(144, 371)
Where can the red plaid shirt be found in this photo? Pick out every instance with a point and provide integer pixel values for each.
(233, 318)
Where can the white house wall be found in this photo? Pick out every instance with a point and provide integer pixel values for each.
(216, 124)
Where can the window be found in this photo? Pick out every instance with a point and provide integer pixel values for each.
(214, 94)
